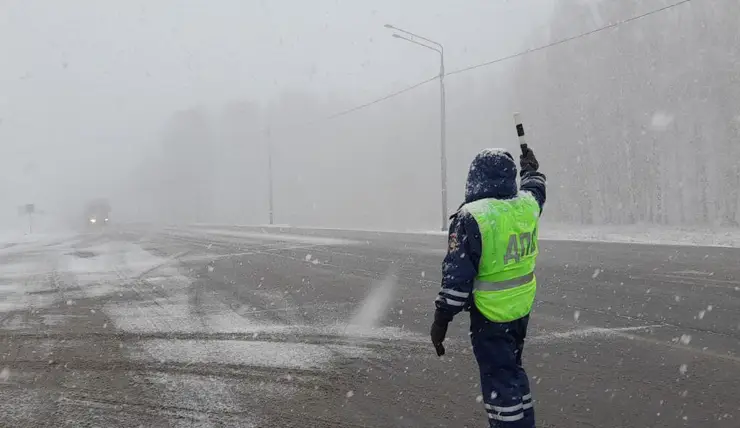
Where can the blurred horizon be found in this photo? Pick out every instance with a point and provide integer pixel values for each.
(164, 109)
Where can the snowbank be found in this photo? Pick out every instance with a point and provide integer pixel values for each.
(643, 234)
(634, 234)
(18, 241)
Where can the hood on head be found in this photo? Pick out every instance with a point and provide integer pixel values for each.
(492, 174)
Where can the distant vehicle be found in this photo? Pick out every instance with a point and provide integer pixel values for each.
(97, 213)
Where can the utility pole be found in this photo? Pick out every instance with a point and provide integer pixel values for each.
(29, 210)
(437, 47)
(269, 176)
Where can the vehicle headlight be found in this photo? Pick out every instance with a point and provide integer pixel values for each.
(92, 220)
(106, 219)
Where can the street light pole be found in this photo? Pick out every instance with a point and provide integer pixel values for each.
(443, 139)
(437, 47)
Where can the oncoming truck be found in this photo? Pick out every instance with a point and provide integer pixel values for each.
(97, 213)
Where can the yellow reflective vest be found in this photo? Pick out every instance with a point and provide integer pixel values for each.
(505, 287)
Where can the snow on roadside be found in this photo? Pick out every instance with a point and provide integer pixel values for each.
(22, 270)
(635, 234)
(642, 234)
(25, 285)
(301, 239)
(17, 237)
(14, 242)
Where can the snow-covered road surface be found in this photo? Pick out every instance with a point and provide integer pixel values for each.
(229, 327)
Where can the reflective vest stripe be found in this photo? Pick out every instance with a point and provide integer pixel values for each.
(503, 285)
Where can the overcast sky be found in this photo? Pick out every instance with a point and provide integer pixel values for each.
(87, 85)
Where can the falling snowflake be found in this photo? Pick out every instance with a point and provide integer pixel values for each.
(596, 273)
(479, 399)
(576, 315)
(308, 257)
(709, 308)
(683, 369)
(350, 394)
(70, 302)
(210, 268)
(685, 339)
(315, 261)
(5, 374)
(660, 121)
(677, 298)
(701, 314)
(423, 274)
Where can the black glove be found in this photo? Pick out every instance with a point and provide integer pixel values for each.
(439, 331)
(527, 160)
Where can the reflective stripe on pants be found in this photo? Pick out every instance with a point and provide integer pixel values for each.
(504, 383)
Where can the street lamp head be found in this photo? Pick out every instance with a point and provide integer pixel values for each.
(389, 26)
(398, 36)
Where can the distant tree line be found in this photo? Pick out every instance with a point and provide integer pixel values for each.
(642, 121)
(636, 124)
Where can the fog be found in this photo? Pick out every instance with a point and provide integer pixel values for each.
(169, 109)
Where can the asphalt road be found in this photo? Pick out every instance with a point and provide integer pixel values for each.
(216, 326)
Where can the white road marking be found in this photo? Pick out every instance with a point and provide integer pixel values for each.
(687, 280)
(692, 272)
(585, 333)
(625, 333)
(261, 251)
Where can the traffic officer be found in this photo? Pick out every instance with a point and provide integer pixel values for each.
(489, 270)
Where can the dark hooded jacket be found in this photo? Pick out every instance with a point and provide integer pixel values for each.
(492, 174)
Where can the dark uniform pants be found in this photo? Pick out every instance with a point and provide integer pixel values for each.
(498, 349)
